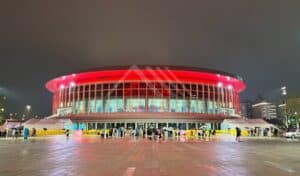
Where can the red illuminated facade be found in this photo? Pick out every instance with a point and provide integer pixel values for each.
(141, 93)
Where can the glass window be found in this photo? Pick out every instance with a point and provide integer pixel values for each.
(99, 105)
(187, 86)
(119, 86)
(113, 105)
(92, 106)
(100, 126)
(157, 105)
(194, 87)
(182, 126)
(91, 126)
(193, 106)
(75, 126)
(200, 106)
(127, 85)
(82, 126)
(105, 86)
(173, 105)
(135, 105)
(143, 85)
(86, 88)
(179, 86)
(81, 106)
(182, 105)
(210, 107)
(99, 86)
(93, 87)
(75, 107)
(173, 86)
(106, 105)
(112, 86)
(173, 93)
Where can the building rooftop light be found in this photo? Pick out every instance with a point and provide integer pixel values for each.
(62, 86)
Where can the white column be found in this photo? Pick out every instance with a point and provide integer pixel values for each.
(146, 128)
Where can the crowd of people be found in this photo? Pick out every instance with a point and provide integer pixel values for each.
(15, 133)
(262, 132)
(154, 133)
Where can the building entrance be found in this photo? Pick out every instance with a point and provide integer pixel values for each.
(146, 125)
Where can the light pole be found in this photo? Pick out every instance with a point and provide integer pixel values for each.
(297, 120)
(2, 107)
(284, 94)
(28, 109)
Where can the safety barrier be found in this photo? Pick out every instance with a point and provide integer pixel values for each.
(188, 133)
(48, 132)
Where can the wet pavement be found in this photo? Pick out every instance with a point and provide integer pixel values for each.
(78, 155)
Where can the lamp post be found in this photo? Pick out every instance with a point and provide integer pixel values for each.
(2, 107)
(297, 120)
(284, 94)
(28, 109)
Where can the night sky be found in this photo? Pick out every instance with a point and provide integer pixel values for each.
(39, 40)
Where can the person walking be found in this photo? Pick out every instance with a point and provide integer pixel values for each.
(33, 132)
(238, 134)
(67, 133)
(13, 133)
(26, 133)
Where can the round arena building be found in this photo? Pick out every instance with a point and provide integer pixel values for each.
(145, 97)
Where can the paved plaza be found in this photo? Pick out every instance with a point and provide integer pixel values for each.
(78, 155)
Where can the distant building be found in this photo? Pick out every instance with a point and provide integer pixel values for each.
(246, 109)
(264, 110)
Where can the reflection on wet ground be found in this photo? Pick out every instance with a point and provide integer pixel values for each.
(129, 156)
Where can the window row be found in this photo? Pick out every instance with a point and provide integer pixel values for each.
(142, 85)
(152, 105)
(219, 94)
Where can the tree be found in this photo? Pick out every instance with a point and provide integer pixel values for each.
(2, 109)
(293, 112)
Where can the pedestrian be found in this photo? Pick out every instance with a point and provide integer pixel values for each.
(141, 132)
(255, 132)
(25, 133)
(214, 132)
(275, 132)
(238, 134)
(136, 132)
(33, 131)
(67, 133)
(13, 133)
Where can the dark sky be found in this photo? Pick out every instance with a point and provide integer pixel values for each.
(39, 40)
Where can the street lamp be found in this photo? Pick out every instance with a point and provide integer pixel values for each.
(284, 94)
(283, 90)
(28, 109)
(297, 120)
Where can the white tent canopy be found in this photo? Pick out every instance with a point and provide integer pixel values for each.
(10, 124)
(53, 124)
(246, 123)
